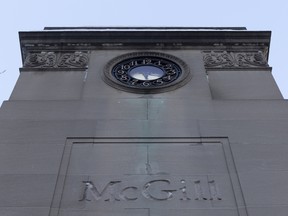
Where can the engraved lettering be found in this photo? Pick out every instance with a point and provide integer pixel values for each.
(168, 66)
(120, 72)
(146, 84)
(125, 67)
(125, 197)
(159, 82)
(124, 77)
(157, 190)
(184, 191)
(134, 81)
(97, 195)
(213, 191)
(158, 63)
(167, 78)
(147, 193)
(133, 63)
(199, 191)
(146, 61)
(171, 72)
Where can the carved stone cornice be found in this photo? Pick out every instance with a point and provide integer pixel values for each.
(223, 59)
(57, 60)
(133, 37)
(91, 39)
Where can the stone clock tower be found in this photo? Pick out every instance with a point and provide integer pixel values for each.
(144, 122)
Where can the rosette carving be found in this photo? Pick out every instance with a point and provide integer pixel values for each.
(57, 60)
(224, 59)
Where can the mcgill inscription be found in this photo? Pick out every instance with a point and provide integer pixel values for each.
(155, 190)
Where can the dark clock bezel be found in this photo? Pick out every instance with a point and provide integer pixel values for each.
(182, 77)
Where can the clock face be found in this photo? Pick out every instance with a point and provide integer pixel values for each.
(145, 72)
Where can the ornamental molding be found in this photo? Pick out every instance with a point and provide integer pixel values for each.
(57, 60)
(224, 59)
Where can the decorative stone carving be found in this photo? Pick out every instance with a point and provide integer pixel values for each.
(57, 60)
(223, 59)
(38, 60)
(77, 59)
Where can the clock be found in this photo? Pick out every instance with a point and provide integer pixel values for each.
(146, 72)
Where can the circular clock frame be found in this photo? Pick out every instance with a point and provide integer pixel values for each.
(146, 72)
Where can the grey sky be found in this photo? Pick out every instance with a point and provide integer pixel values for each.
(30, 15)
